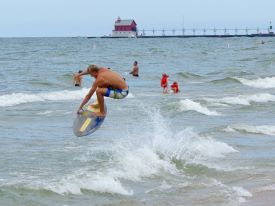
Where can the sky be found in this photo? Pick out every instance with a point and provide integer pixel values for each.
(58, 18)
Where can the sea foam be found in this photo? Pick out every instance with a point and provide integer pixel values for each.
(189, 105)
(13, 99)
(266, 188)
(20, 98)
(128, 162)
(244, 99)
(188, 146)
(241, 193)
(134, 161)
(262, 83)
(86, 180)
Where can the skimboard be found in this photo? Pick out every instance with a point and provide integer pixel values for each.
(87, 122)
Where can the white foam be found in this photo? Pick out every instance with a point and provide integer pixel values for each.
(266, 188)
(134, 161)
(85, 180)
(131, 163)
(242, 193)
(229, 129)
(128, 161)
(130, 95)
(47, 112)
(13, 99)
(54, 112)
(137, 163)
(20, 98)
(239, 192)
(188, 146)
(262, 83)
(189, 105)
(244, 99)
(261, 129)
(152, 154)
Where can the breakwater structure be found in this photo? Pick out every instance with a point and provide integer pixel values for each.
(128, 29)
(207, 32)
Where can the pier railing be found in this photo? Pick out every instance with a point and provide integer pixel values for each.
(203, 32)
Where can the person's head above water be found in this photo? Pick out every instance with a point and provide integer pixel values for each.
(135, 63)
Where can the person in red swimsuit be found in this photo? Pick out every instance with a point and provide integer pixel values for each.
(164, 82)
(175, 87)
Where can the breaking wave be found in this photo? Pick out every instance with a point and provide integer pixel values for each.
(262, 83)
(135, 160)
(20, 98)
(189, 105)
(13, 99)
(244, 99)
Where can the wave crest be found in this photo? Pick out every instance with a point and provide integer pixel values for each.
(244, 99)
(262, 83)
(262, 129)
(189, 105)
(13, 99)
(20, 98)
(189, 75)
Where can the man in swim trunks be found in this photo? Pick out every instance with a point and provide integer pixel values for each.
(134, 72)
(107, 83)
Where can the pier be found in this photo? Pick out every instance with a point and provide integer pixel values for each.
(128, 29)
(206, 32)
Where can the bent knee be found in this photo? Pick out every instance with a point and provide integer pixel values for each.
(100, 91)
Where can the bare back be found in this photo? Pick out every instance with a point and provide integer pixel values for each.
(135, 70)
(109, 78)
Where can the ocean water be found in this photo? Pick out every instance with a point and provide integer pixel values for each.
(211, 144)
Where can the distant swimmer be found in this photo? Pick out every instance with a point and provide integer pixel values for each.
(175, 87)
(164, 82)
(107, 83)
(77, 79)
(135, 69)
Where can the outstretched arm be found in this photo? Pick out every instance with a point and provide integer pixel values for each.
(87, 97)
(82, 73)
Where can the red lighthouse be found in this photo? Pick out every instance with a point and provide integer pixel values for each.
(125, 28)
